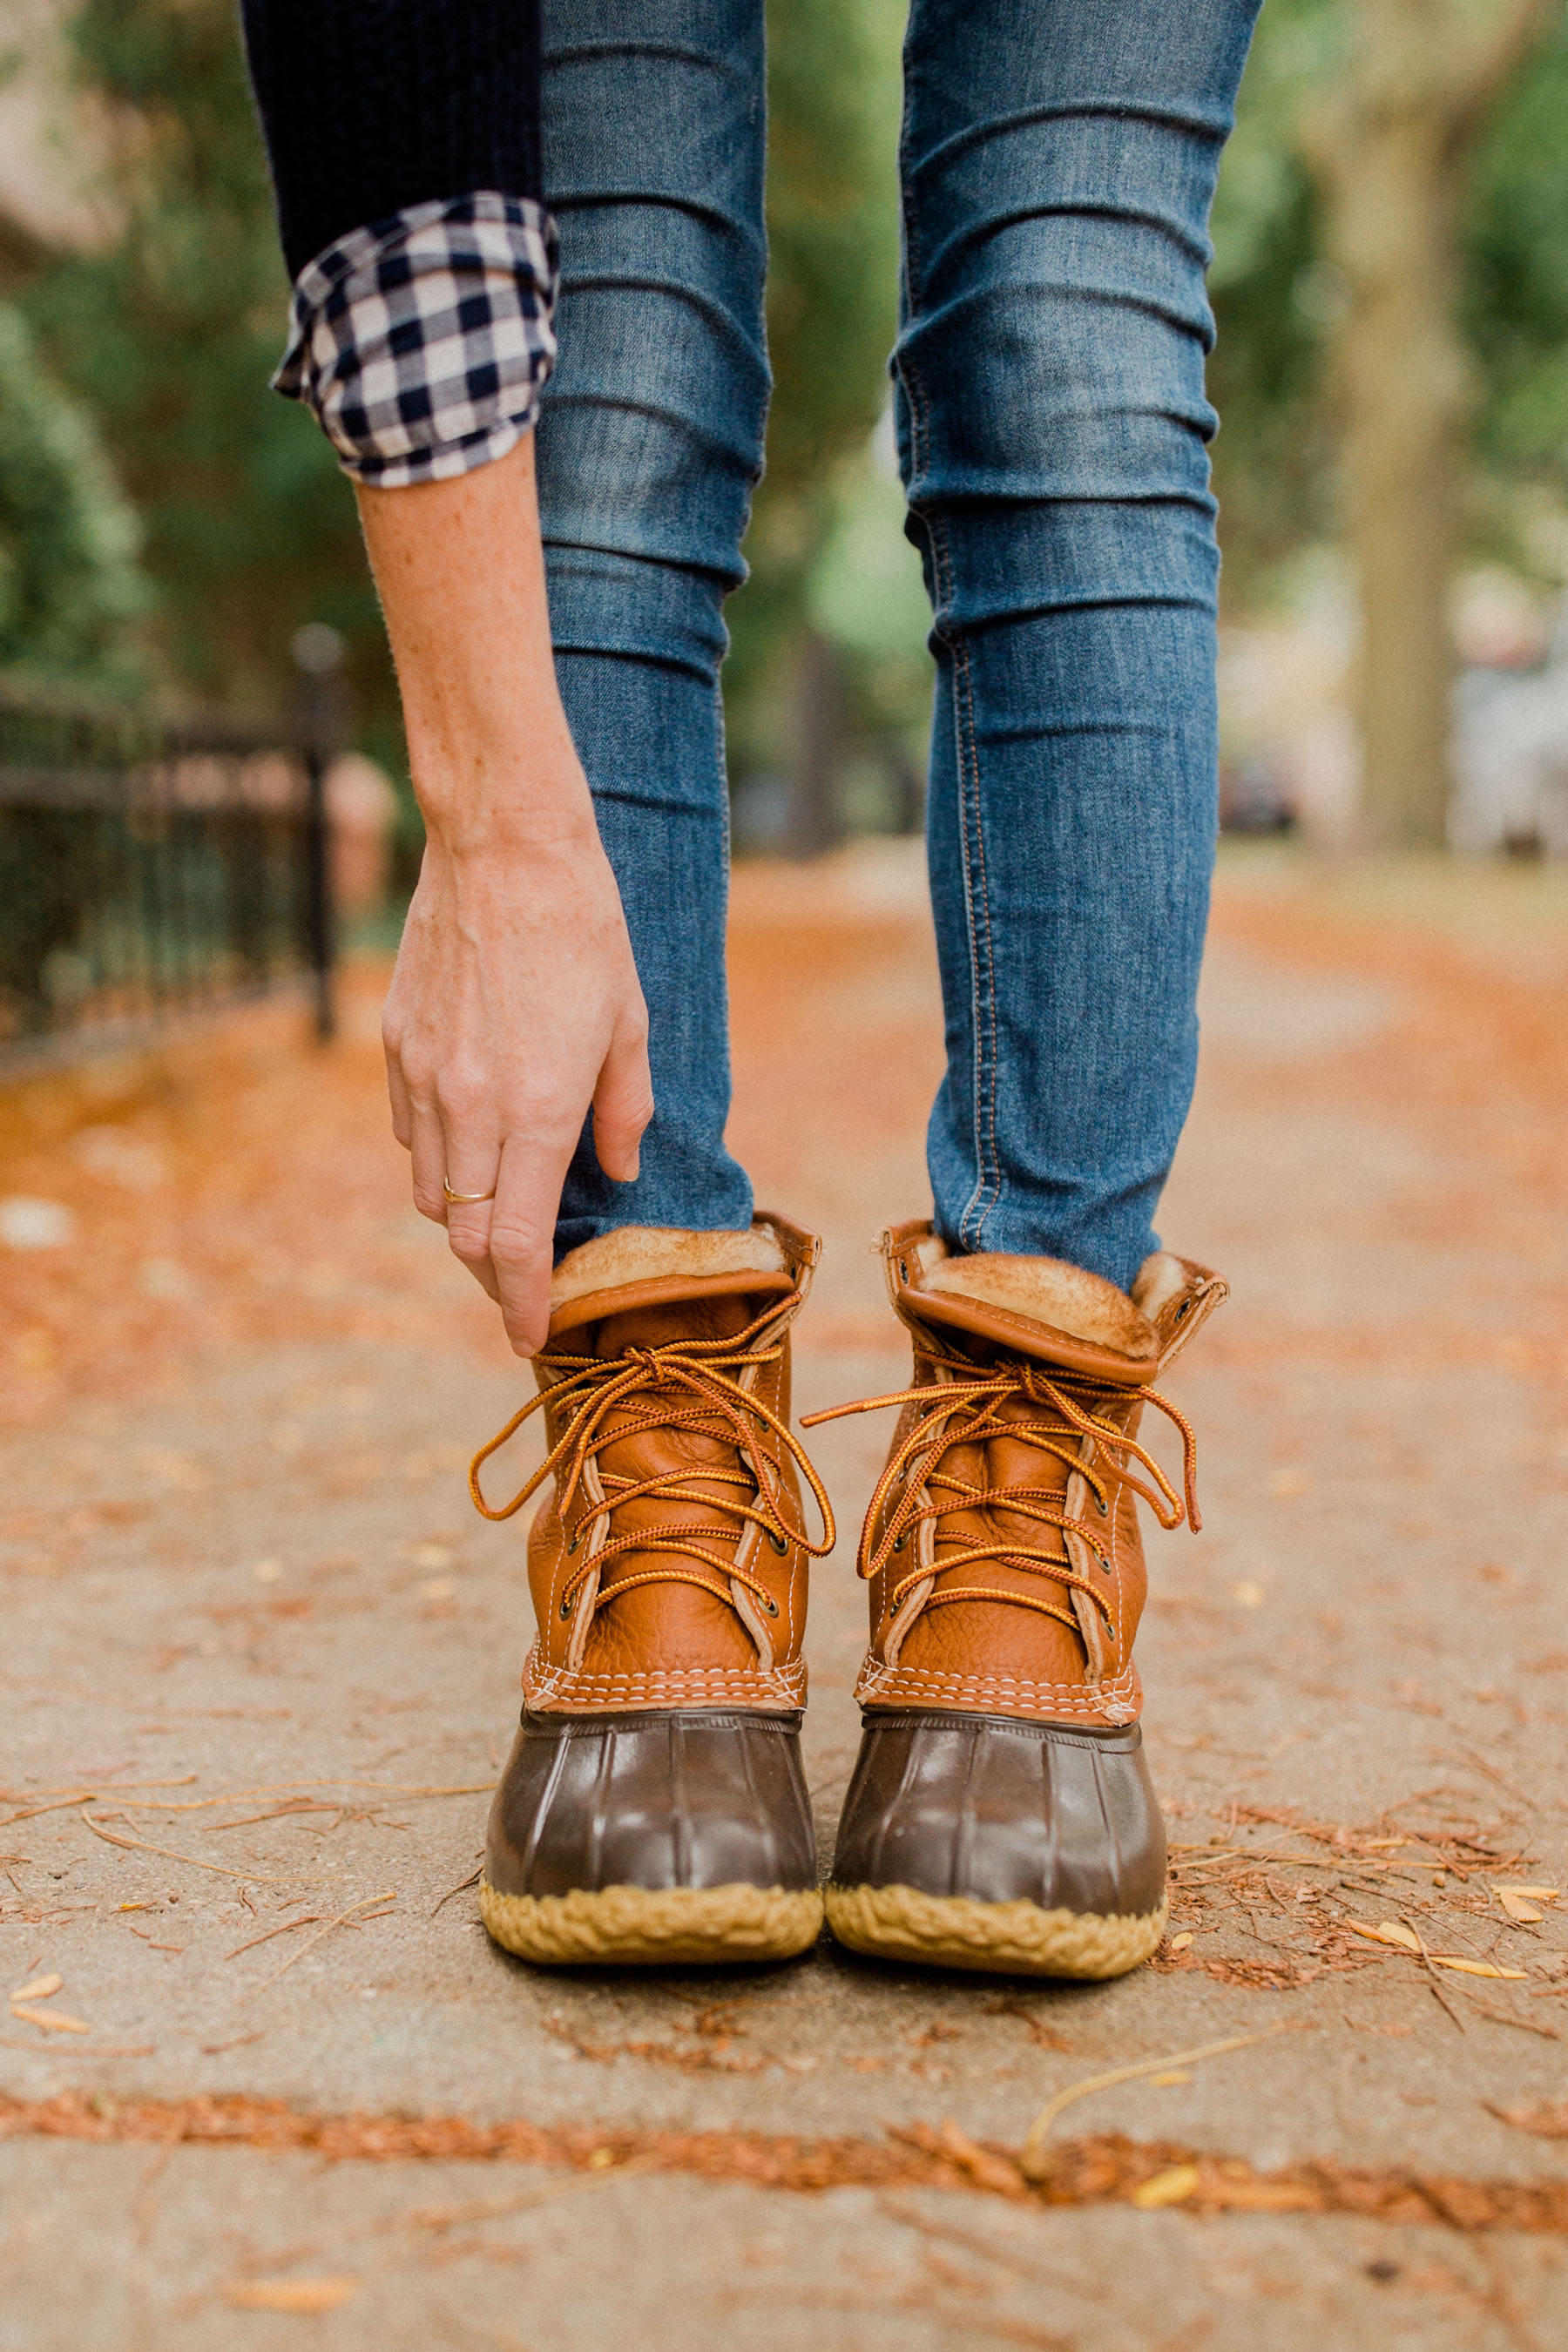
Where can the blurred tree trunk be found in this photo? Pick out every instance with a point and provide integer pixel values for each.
(1388, 148)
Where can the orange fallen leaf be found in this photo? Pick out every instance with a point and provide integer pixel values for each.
(1387, 1931)
(1520, 1910)
(50, 2020)
(1179, 1943)
(40, 1989)
(301, 2296)
(1406, 1939)
(1545, 2121)
(1168, 2188)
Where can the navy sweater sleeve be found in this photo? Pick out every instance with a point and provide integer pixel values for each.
(370, 106)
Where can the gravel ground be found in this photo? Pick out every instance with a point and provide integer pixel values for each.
(261, 1664)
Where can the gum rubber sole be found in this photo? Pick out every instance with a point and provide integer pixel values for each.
(954, 1931)
(654, 1926)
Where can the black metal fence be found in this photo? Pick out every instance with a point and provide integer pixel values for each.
(150, 865)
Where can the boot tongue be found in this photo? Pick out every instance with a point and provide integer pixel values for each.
(644, 1451)
(682, 1318)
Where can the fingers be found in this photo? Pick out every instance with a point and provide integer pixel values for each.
(622, 1102)
(398, 1095)
(428, 1146)
(521, 1236)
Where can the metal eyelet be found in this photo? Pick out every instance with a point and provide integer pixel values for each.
(571, 1539)
(1102, 1504)
(898, 1543)
(779, 1543)
(565, 1607)
(772, 1607)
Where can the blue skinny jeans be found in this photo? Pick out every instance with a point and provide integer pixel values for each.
(1058, 163)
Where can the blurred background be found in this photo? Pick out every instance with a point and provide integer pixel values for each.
(183, 600)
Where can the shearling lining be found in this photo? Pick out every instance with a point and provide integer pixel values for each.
(1048, 1291)
(655, 1253)
(1158, 1280)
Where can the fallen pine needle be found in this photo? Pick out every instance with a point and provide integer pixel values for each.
(388, 1893)
(118, 1788)
(40, 1988)
(1434, 1980)
(55, 1805)
(51, 2020)
(1034, 2141)
(272, 1877)
(216, 2049)
(472, 1880)
(1506, 2017)
(306, 1919)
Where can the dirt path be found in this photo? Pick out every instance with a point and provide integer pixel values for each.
(261, 1664)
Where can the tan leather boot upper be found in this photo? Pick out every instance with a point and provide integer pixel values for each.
(1003, 1549)
(668, 1563)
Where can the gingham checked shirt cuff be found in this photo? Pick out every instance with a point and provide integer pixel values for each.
(423, 342)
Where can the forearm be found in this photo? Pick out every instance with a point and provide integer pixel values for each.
(460, 571)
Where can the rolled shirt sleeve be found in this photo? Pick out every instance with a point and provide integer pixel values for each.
(422, 342)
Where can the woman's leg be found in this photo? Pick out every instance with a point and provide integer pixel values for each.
(649, 447)
(1060, 158)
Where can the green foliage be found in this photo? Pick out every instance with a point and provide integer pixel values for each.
(171, 333)
(1515, 243)
(1272, 302)
(834, 96)
(70, 586)
(1276, 301)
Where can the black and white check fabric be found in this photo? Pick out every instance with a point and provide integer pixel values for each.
(423, 342)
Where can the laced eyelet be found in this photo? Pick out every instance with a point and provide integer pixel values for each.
(571, 1539)
(898, 1543)
(779, 1543)
(565, 1607)
(1102, 1504)
(772, 1607)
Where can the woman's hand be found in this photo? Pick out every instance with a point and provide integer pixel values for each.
(515, 1003)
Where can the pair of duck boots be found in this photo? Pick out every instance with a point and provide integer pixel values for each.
(1000, 1816)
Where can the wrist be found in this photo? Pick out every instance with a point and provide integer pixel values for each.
(529, 808)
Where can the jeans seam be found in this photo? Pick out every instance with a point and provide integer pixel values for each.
(981, 960)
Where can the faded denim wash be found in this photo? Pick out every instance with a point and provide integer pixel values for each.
(1059, 161)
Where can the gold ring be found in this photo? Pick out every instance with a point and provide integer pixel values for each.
(467, 1198)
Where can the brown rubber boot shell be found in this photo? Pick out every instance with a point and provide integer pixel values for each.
(1000, 1814)
(654, 1807)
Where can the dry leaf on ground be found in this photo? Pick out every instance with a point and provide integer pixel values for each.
(50, 2019)
(1387, 1931)
(1167, 2188)
(1546, 2121)
(40, 1989)
(298, 2295)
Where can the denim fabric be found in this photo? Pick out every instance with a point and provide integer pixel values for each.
(647, 449)
(1058, 163)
